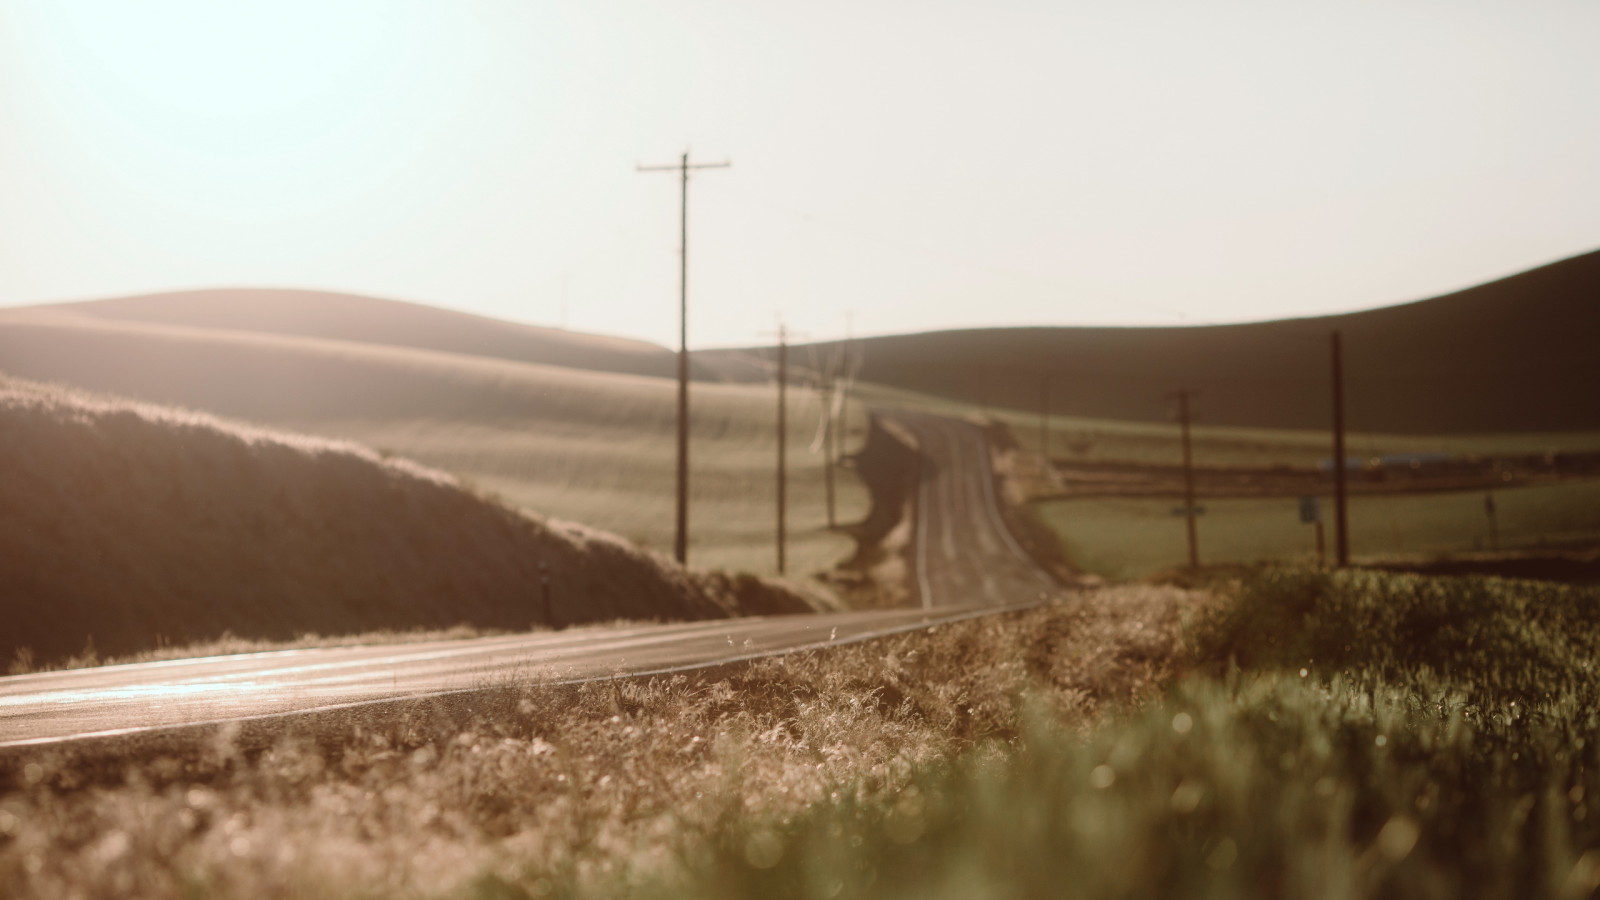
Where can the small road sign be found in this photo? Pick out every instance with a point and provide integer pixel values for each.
(1310, 510)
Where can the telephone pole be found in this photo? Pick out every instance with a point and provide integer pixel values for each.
(1189, 509)
(783, 436)
(1341, 522)
(680, 542)
(1044, 418)
(830, 384)
(851, 366)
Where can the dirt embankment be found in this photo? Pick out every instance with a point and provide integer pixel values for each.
(128, 526)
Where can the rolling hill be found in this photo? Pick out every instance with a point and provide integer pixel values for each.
(128, 525)
(372, 320)
(1517, 354)
(582, 445)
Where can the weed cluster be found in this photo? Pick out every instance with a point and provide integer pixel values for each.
(594, 790)
(1389, 736)
(1491, 641)
(1335, 735)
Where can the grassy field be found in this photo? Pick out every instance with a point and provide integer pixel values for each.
(1132, 537)
(616, 471)
(1320, 735)
(328, 315)
(1081, 439)
(588, 446)
(130, 526)
(1129, 538)
(585, 446)
(1386, 737)
(590, 790)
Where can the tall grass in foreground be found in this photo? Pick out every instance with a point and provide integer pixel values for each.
(1336, 735)
(529, 790)
(1389, 736)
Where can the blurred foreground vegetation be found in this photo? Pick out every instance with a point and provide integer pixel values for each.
(1298, 734)
(1343, 735)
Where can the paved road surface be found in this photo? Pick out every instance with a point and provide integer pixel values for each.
(967, 564)
(962, 550)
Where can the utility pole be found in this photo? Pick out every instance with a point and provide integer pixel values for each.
(1341, 523)
(1044, 418)
(783, 436)
(829, 386)
(852, 367)
(1494, 522)
(1189, 509)
(680, 543)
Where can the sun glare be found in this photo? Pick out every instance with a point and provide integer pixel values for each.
(226, 61)
(238, 106)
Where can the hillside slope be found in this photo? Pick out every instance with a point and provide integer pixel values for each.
(1518, 354)
(372, 320)
(129, 524)
(592, 447)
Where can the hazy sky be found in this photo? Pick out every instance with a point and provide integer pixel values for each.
(924, 164)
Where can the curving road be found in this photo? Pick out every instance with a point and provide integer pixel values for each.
(963, 554)
(966, 564)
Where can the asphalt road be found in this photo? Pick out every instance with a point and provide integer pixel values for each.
(963, 554)
(966, 564)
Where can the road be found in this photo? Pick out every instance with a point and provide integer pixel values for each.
(962, 552)
(966, 564)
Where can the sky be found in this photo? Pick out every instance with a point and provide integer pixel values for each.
(896, 165)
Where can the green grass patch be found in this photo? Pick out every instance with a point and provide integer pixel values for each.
(1388, 736)
(1129, 538)
(592, 447)
(1092, 440)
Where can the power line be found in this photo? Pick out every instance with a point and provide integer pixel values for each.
(1341, 522)
(680, 542)
(783, 442)
(783, 438)
(1190, 510)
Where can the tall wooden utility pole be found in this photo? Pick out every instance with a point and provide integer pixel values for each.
(1341, 522)
(850, 366)
(1044, 418)
(1189, 509)
(680, 542)
(830, 384)
(783, 437)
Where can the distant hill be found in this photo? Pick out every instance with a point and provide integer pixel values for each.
(582, 445)
(371, 320)
(127, 524)
(274, 377)
(1518, 354)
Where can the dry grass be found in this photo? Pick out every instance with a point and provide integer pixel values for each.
(372, 320)
(568, 791)
(585, 446)
(131, 526)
